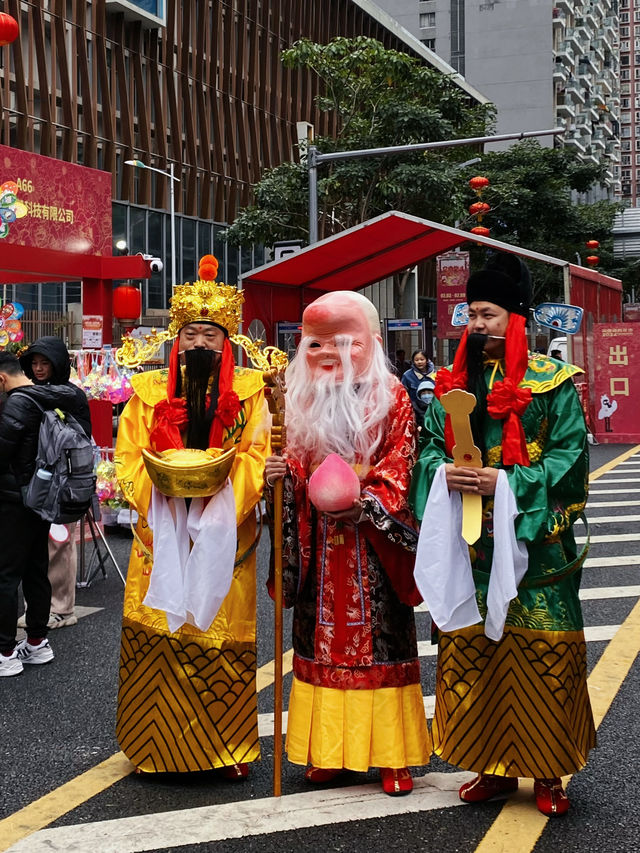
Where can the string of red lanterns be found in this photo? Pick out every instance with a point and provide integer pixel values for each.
(479, 208)
(592, 245)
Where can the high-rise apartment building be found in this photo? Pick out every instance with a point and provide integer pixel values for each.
(629, 16)
(543, 64)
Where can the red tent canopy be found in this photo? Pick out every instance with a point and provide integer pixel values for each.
(390, 243)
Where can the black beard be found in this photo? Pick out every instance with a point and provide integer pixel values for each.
(199, 365)
(477, 385)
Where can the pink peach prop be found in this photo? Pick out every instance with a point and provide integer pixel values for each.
(334, 485)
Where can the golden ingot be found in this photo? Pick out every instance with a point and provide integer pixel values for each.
(188, 473)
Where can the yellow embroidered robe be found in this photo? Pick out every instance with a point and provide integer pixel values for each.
(187, 700)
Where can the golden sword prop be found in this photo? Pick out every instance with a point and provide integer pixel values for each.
(459, 404)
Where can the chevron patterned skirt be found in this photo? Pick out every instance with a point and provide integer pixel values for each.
(519, 707)
(187, 700)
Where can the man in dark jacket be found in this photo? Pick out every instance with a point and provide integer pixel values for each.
(47, 362)
(24, 535)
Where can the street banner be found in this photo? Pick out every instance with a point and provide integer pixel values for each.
(616, 382)
(48, 203)
(453, 272)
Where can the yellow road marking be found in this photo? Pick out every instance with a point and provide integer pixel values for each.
(64, 799)
(265, 675)
(604, 469)
(72, 794)
(519, 824)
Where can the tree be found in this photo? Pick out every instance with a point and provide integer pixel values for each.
(380, 98)
(376, 98)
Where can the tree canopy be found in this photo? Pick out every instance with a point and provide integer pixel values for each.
(376, 97)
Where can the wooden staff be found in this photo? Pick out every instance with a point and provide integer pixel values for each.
(459, 404)
(275, 392)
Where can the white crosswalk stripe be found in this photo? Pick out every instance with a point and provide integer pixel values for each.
(247, 818)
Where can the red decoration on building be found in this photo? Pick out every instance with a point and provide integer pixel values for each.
(593, 260)
(592, 244)
(481, 231)
(127, 304)
(8, 29)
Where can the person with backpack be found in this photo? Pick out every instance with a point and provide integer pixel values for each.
(47, 362)
(24, 534)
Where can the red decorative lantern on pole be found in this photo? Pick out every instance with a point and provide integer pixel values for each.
(593, 260)
(479, 208)
(481, 231)
(592, 245)
(127, 305)
(8, 29)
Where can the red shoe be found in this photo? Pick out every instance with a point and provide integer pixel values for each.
(235, 772)
(484, 787)
(551, 797)
(396, 782)
(320, 775)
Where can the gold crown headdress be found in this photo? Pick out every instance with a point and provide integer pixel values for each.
(203, 301)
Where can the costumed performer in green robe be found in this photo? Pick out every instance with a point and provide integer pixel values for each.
(511, 683)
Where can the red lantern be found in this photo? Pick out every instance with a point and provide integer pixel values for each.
(592, 244)
(593, 260)
(481, 231)
(479, 208)
(8, 29)
(478, 184)
(127, 304)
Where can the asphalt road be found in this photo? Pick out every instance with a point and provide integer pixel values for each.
(58, 722)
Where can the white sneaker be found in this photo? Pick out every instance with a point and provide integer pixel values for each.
(59, 620)
(42, 653)
(11, 664)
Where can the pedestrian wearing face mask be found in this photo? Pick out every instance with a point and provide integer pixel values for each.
(421, 367)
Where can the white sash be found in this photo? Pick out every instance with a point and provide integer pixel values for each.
(194, 553)
(443, 568)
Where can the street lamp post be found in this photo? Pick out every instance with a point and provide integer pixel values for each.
(314, 158)
(172, 209)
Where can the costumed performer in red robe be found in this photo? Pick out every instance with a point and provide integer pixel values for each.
(356, 700)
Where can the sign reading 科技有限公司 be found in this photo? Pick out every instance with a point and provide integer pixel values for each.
(48, 203)
(453, 272)
(616, 382)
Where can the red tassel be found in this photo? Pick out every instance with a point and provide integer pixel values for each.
(446, 380)
(509, 402)
(228, 401)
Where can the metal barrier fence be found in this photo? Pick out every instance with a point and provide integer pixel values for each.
(36, 324)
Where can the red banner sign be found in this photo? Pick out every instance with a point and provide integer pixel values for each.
(617, 382)
(53, 204)
(453, 272)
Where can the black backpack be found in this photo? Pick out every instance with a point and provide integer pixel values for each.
(64, 481)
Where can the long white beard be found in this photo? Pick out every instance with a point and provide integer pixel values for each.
(329, 416)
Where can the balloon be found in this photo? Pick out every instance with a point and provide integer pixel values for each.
(18, 310)
(7, 310)
(16, 336)
(4, 338)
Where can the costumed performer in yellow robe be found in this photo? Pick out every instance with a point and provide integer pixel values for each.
(187, 693)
